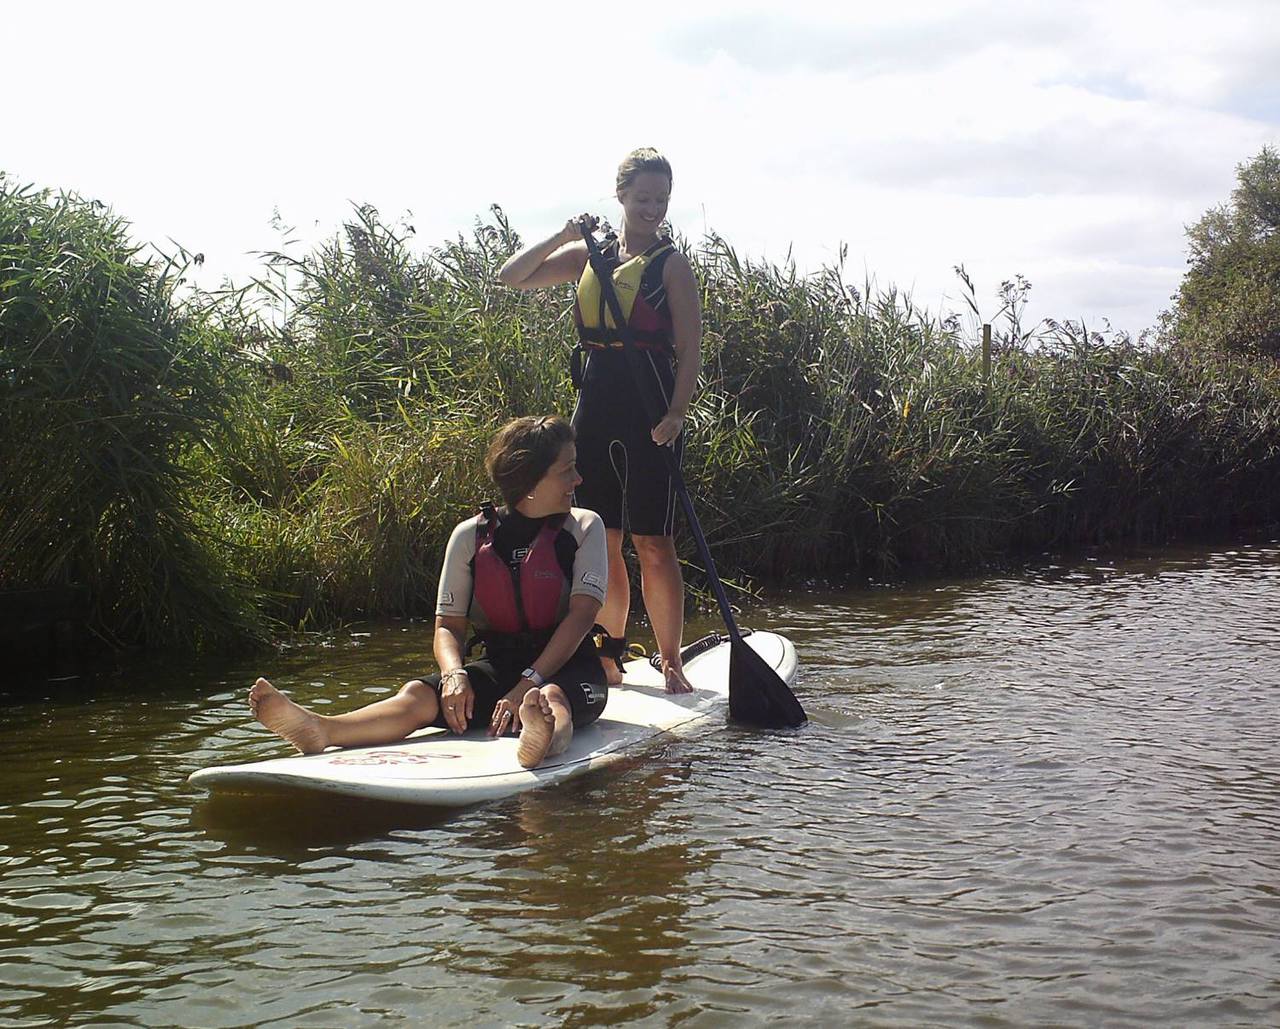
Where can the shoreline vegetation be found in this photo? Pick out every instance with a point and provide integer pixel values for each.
(211, 469)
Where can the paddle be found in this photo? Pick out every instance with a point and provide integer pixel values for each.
(757, 694)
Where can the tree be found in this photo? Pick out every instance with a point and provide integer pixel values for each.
(1230, 297)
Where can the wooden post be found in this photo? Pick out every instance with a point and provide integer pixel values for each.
(986, 353)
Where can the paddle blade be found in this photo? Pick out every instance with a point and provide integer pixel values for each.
(757, 694)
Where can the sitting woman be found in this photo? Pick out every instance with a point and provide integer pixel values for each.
(530, 578)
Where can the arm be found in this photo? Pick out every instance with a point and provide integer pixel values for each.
(448, 643)
(449, 646)
(557, 259)
(568, 635)
(564, 641)
(686, 316)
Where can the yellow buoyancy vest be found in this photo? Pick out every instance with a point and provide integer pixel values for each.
(650, 327)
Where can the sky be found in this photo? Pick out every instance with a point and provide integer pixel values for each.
(1070, 143)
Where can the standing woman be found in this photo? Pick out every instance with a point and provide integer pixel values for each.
(624, 473)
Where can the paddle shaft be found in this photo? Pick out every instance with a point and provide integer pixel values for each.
(656, 413)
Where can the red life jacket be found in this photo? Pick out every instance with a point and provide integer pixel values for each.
(527, 598)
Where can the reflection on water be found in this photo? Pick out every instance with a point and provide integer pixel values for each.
(1043, 798)
(291, 825)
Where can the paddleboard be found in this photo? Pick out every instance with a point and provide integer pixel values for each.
(438, 768)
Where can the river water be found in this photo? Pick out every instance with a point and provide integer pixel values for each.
(1048, 797)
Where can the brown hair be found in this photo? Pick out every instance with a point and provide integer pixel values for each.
(645, 159)
(523, 451)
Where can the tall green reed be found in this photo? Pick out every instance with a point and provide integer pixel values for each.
(106, 383)
(293, 453)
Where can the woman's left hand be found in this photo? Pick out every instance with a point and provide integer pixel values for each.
(665, 432)
(506, 718)
(506, 713)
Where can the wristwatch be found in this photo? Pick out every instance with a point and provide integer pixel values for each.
(533, 675)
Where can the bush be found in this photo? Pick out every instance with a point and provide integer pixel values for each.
(106, 382)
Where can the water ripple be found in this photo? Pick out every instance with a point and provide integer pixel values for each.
(1048, 798)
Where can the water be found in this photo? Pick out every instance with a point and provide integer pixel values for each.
(1043, 798)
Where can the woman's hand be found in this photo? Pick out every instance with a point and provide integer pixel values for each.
(665, 432)
(457, 699)
(506, 713)
(572, 231)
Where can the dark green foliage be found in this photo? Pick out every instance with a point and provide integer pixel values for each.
(317, 435)
(1229, 300)
(105, 384)
(360, 437)
(875, 444)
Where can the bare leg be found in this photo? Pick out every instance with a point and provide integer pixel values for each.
(384, 721)
(617, 601)
(663, 588)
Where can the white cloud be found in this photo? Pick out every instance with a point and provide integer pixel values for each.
(1071, 144)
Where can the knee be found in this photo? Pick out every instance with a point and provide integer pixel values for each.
(419, 692)
(655, 550)
(613, 543)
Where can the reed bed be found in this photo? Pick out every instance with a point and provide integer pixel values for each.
(292, 453)
(108, 383)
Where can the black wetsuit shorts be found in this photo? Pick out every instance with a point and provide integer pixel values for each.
(493, 676)
(625, 478)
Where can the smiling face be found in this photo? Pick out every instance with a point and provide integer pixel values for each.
(554, 492)
(644, 203)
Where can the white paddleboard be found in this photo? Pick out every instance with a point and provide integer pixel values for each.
(436, 767)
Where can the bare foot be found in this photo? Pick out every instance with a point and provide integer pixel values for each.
(562, 735)
(612, 673)
(537, 727)
(283, 717)
(674, 680)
